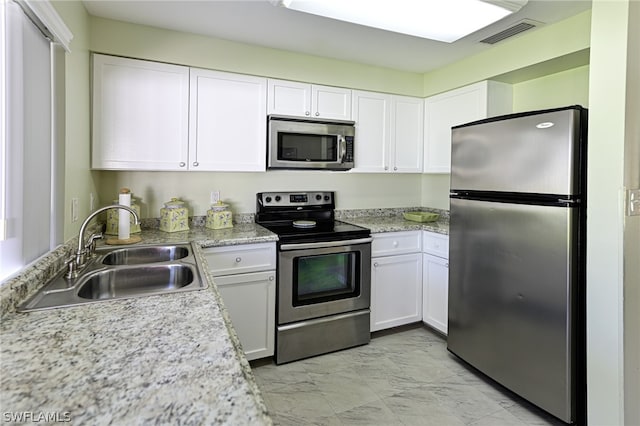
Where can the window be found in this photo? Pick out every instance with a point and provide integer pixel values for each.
(30, 160)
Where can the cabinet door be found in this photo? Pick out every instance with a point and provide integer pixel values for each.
(333, 103)
(227, 122)
(371, 114)
(396, 290)
(250, 300)
(140, 115)
(459, 106)
(435, 292)
(289, 98)
(407, 138)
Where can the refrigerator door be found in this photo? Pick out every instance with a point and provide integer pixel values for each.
(536, 153)
(512, 284)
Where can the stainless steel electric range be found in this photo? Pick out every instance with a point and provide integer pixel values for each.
(323, 275)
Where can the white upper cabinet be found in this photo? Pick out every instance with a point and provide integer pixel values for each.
(470, 103)
(227, 123)
(153, 116)
(140, 115)
(371, 113)
(308, 100)
(407, 130)
(389, 133)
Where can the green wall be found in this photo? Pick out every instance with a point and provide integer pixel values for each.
(79, 181)
(137, 41)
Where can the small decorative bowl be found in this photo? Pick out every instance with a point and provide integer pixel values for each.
(421, 216)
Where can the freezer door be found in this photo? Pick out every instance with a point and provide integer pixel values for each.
(538, 153)
(512, 290)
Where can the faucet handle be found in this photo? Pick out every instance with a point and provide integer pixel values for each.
(90, 246)
(72, 268)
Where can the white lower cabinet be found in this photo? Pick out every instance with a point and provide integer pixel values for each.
(246, 278)
(435, 280)
(251, 300)
(396, 280)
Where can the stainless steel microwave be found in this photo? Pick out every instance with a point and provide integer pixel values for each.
(295, 143)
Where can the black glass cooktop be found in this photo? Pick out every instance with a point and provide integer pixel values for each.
(322, 231)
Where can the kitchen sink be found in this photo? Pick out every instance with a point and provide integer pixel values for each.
(140, 255)
(123, 282)
(117, 273)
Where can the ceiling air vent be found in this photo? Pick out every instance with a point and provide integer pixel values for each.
(518, 28)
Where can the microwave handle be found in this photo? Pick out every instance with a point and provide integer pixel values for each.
(343, 149)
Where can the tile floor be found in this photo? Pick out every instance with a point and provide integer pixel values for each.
(404, 377)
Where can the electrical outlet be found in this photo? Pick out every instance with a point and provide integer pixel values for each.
(215, 197)
(92, 202)
(74, 209)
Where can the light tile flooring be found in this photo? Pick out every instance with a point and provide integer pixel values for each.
(405, 377)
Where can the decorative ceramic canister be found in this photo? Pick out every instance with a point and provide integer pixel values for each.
(174, 216)
(219, 216)
(112, 219)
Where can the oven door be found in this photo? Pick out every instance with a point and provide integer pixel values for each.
(325, 278)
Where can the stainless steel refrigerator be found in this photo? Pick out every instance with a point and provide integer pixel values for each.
(517, 254)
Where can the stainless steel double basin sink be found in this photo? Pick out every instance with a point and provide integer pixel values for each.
(116, 273)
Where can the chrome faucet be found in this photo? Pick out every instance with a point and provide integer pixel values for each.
(78, 260)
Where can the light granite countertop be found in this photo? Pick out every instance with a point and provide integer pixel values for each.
(392, 220)
(168, 359)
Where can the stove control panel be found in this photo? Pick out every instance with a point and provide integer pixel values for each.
(296, 199)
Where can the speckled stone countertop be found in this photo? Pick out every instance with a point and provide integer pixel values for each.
(168, 359)
(391, 220)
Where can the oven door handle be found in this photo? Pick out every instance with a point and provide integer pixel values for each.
(323, 244)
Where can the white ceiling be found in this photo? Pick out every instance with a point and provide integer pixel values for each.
(258, 22)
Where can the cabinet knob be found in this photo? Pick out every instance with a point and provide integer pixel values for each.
(271, 278)
(395, 168)
(307, 113)
(238, 259)
(395, 244)
(386, 168)
(375, 265)
(317, 114)
(182, 164)
(196, 164)
(446, 264)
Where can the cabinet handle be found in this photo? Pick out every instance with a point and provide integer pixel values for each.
(196, 164)
(238, 259)
(182, 164)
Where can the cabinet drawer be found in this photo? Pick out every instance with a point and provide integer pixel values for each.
(392, 243)
(435, 244)
(241, 259)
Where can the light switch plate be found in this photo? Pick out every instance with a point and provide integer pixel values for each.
(215, 197)
(633, 202)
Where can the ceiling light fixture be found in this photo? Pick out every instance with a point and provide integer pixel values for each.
(442, 20)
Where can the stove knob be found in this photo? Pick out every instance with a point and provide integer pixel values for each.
(327, 198)
(268, 199)
(318, 197)
(278, 198)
